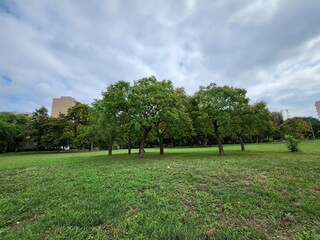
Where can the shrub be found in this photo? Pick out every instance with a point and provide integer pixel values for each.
(292, 143)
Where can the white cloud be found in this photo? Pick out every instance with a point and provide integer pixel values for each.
(52, 49)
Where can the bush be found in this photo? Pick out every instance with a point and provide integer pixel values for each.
(292, 143)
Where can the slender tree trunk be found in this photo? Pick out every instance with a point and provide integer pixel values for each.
(161, 144)
(91, 146)
(217, 134)
(129, 148)
(141, 149)
(110, 146)
(241, 142)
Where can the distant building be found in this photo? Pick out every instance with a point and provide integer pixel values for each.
(318, 107)
(61, 105)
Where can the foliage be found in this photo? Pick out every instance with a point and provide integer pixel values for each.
(217, 104)
(39, 124)
(78, 115)
(152, 112)
(296, 128)
(277, 120)
(113, 111)
(13, 130)
(59, 133)
(250, 120)
(263, 193)
(156, 105)
(292, 143)
(92, 135)
(314, 125)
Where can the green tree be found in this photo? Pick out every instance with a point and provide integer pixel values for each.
(39, 125)
(277, 120)
(113, 111)
(59, 133)
(296, 127)
(91, 135)
(217, 104)
(251, 120)
(7, 133)
(154, 104)
(314, 125)
(174, 120)
(203, 130)
(13, 130)
(78, 115)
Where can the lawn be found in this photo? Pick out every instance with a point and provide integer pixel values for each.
(265, 192)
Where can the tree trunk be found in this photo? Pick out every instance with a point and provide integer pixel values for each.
(110, 146)
(217, 134)
(141, 149)
(91, 146)
(129, 148)
(161, 144)
(241, 142)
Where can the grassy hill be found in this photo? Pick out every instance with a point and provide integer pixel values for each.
(265, 192)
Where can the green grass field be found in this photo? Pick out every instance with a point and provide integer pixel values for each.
(265, 192)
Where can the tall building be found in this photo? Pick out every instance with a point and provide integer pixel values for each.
(61, 105)
(318, 107)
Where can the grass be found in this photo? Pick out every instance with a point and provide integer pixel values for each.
(265, 192)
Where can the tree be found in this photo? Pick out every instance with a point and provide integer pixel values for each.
(203, 130)
(217, 104)
(39, 125)
(59, 133)
(113, 110)
(91, 135)
(295, 130)
(277, 120)
(296, 127)
(144, 100)
(174, 119)
(250, 119)
(78, 115)
(154, 104)
(13, 130)
(7, 133)
(314, 125)
(262, 125)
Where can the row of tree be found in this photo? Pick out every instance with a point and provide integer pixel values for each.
(156, 113)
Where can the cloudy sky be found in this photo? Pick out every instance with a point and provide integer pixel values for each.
(76, 48)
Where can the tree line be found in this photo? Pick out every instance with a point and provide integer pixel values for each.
(155, 113)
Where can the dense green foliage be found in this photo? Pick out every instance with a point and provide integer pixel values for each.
(13, 130)
(150, 112)
(263, 193)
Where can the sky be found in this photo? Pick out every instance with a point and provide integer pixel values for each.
(76, 48)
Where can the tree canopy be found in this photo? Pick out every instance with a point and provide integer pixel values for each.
(151, 112)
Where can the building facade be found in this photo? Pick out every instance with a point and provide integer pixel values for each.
(61, 105)
(318, 107)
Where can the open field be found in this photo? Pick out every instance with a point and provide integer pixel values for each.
(265, 192)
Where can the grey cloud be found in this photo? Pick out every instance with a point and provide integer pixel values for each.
(76, 48)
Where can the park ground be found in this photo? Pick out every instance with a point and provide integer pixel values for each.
(265, 192)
